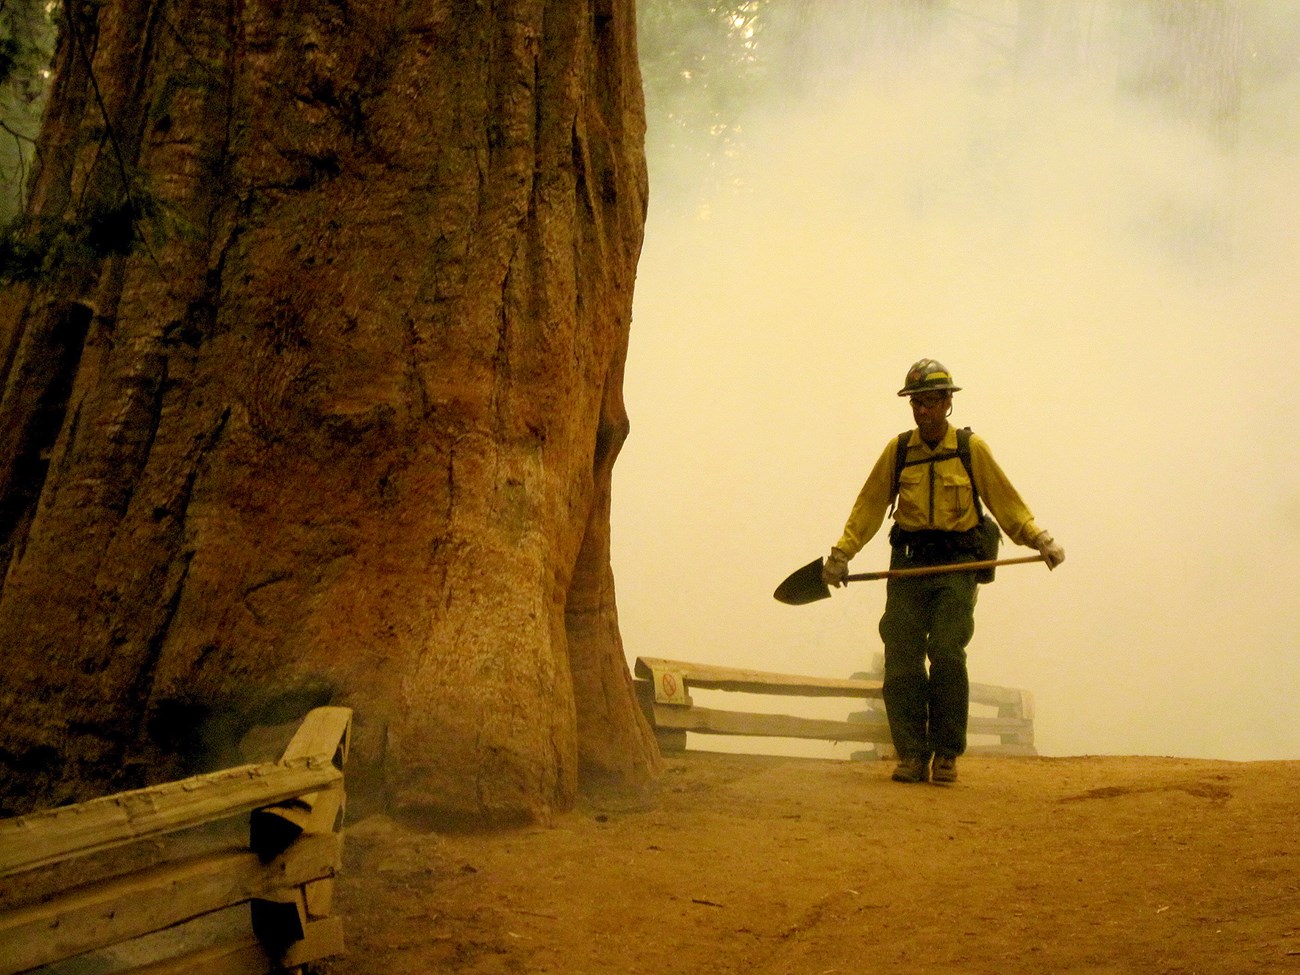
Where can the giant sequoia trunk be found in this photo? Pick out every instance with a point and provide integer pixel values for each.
(339, 424)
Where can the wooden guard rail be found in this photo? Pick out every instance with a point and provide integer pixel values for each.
(62, 869)
(663, 690)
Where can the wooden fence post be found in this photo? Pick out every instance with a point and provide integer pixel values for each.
(299, 915)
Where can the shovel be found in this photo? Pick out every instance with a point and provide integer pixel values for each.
(805, 585)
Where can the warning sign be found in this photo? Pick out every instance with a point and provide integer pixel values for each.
(670, 688)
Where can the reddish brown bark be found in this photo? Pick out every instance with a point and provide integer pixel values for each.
(345, 430)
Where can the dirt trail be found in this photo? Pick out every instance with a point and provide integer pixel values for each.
(764, 866)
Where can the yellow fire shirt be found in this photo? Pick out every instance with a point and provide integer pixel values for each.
(938, 495)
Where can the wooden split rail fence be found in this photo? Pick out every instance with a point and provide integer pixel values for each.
(129, 880)
(663, 688)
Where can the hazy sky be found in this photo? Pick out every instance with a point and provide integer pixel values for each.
(1132, 376)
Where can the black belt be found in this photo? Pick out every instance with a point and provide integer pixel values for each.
(933, 544)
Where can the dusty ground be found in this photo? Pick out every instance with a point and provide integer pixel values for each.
(761, 866)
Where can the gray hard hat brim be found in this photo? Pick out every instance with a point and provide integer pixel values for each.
(929, 389)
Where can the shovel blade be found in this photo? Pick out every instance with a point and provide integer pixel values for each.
(803, 586)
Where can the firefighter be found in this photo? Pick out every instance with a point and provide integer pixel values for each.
(937, 521)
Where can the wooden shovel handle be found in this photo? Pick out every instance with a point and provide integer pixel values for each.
(934, 570)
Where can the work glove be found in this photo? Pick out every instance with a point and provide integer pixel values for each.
(1049, 549)
(835, 568)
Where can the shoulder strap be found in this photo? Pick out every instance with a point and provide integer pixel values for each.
(963, 451)
(900, 461)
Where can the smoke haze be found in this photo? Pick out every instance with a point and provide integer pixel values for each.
(1113, 286)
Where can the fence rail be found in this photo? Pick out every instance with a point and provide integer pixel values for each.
(663, 688)
(91, 877)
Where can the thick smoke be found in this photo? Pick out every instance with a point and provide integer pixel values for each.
(1108, 268)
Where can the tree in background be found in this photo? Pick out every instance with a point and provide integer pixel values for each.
(708, 64)
(312, 356)
(703, 67)
(713, 69)
(26, 39)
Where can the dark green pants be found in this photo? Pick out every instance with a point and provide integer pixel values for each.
(928, 618)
